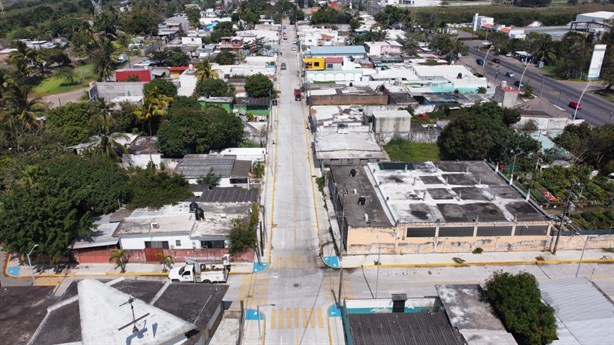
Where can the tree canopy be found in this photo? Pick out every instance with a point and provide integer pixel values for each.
(259, 85)
(225, 58)
(517, 300)
(483, 132)
(594, 146)
(54, 202)
(162, 86)
(330, 15)
(154, 189)
(72, 121)
(214, 88)
(198, 131)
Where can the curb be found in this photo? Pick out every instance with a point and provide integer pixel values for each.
(487, 263)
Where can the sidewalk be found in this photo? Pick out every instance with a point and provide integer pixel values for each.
(14, 269)
(490, 259)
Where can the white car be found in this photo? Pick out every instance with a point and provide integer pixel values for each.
(509, 74)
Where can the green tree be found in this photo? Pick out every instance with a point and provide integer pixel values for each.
(259, 85)
(223, 29)
(330, 15)
(170, 58)
(199, 131)
(102, 124)
(160, 86)
(22, 61)
(194, 16)
(204, 70)
(166, 261)
(102, 60)
(517, 300)
(211, 180)
(482, 132)
(152, 110)
(225, 58)
(214, 88)
(140, 21)
(120, 258)
(154, 189)
(71, 122)
(243, 232)
(181, 103)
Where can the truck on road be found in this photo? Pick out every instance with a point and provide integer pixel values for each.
(297, 94)
(199, 270)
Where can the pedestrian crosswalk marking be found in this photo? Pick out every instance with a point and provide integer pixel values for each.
(295, 317)
(305, 320)
(294, 261)
(289, 315)
(313, 320)
(320, 321)
(272, 318)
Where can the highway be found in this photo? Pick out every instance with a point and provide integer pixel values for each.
(595, 110)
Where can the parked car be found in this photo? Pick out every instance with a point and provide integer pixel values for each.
(496, 60)
(479, 62)
(517, 83)
(509, 74)
(283, 66)
(575, 105)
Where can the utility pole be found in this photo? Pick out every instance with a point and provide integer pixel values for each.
(558, 234)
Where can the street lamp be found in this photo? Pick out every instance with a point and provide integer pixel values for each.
(522, 76)
(30, 264)
(513, 168)
(258, 311)
(379, 249)
(581, 256)
(580, 100)
(486, 57)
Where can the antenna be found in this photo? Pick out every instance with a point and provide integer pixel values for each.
(134, 319)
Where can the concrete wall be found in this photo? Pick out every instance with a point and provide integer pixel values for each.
(392, 124)
(368, 240)
(545, 123)
(141, 161)
(424, 135)
(179, 255)
(139, 242)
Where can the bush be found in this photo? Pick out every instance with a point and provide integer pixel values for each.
(478, 250)
(458, 260)
(517, 300)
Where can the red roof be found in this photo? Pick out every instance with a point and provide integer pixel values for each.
(505, 30)
(178, 68)
(143, 75)
(487, 25)
(333, 60)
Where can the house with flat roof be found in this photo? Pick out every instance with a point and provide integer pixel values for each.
(351, 148)
(388, 124)
(383, 48)
(355, 52)
(433, 207)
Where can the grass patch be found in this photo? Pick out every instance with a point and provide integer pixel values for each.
(406, 151)
(56, 84)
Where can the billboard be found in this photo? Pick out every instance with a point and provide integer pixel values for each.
(596, 61)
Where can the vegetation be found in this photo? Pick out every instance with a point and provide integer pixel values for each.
(64, 81)
(259, 85)
(477, 250)
(330, 15)
(404, 150)
(120, 258)
(225, 58)
(212, 87)
(154, 189)
(243, 232)
(160, 86)
(166, 261)
(517, 300)
(211, 180)
(170, 58)
(250, 11)
(72, 122)
(593, 146)
(198, 131)
(483, 132)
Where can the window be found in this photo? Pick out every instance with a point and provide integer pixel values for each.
(177, 243)
(218, 244)
(156, 244)
(329, 65)
(316, 64)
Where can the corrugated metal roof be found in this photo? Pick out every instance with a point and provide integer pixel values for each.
(583, 309)
(197, 168)
(231, 194)
(403, 329)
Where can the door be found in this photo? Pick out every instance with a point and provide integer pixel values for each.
(151, 254)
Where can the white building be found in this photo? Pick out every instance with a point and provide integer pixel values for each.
(599, 17)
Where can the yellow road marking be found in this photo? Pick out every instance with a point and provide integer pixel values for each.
(305, 320)
(281, 318)
(273, 318)
(313, 319)
(296, 318)
(320, 321)
(289, 315)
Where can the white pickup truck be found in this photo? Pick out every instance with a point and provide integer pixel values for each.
(202, 271)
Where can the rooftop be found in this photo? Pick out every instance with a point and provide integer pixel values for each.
(173, 219)
(472, 316)
(195, 166)
(583, 311)
(101, 236)
(391, 114)
(347, 146)
(403, 328)
(335, 50)
(466, 191)
(223, 194)
(144, 145)
(93, 313)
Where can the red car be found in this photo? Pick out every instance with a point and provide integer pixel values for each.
(575, 105)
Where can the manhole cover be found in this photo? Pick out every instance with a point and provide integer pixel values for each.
(296, 284)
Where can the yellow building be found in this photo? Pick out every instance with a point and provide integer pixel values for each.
(314, 64)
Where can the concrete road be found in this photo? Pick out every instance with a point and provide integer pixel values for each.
(419, 282)
(294, 293)
(596, 110)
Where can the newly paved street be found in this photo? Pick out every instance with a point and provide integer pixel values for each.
(295, 282)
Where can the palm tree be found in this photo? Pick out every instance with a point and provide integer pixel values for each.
(107, 142)
(166, 261)
(120, 258)
(102, 60)
(153, 108)
(22, 112)
(204, 70)
(22, 61)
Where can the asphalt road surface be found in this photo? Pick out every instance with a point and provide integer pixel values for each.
(595, 110)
